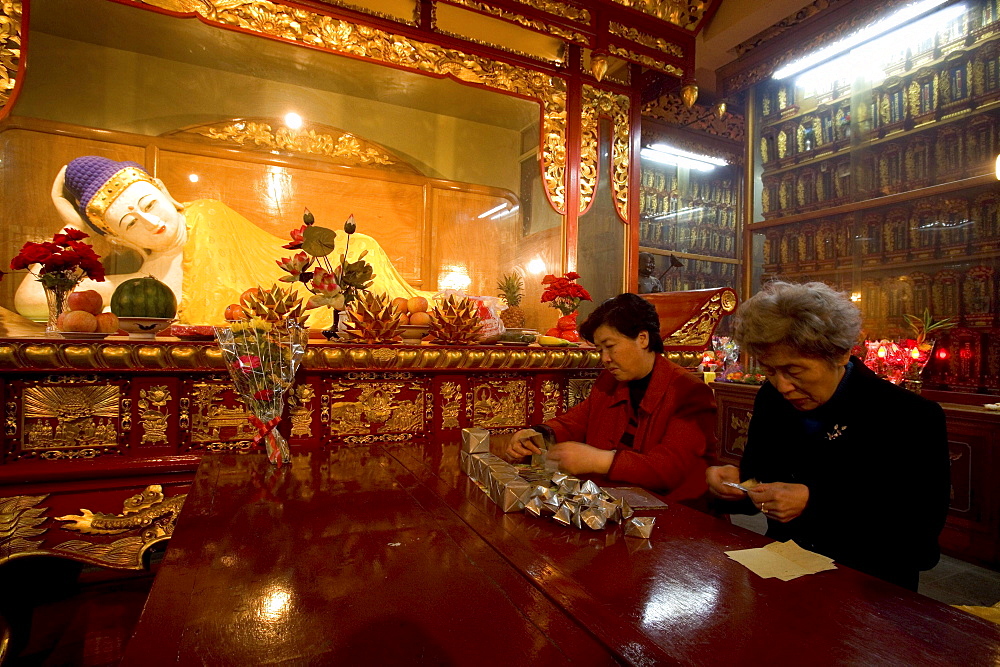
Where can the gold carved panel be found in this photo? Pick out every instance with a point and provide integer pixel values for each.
(597, 103)
(698, 329)
(500, 403)
(57, 418)
(550, 399)
(218, 415)
(300, 409)
(451, 404)
(153, 414)
(10, 48)
(345, 38)
(382, 407)
(578, 390)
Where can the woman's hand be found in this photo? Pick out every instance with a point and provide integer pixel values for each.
(577, 458)
(780, 501)
(716, 475)
(520, 445)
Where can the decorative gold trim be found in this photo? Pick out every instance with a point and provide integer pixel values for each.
(524, 21)
(374, 12)
(10, 48)
(577, 390)
(681, 13)
(561, 9)
(259, 134)
(451, 404)
(672, 110)
(345, 38)
(558, 60)
(110, 191)
(167, 355)
(698, 329)
(646, 61)
(378, 438)
(597, 102)
(644, 39)
(150, 513)
(56, 417)
(153, 414)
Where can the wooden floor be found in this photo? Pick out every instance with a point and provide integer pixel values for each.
(86, 620)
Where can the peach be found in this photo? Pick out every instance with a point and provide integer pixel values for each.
(399, 304)
(420, 318)
(417, 304)
(404, 318)
(80, 321)
(88, 300)
(107, 323)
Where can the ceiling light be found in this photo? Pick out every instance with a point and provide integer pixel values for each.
(669, 155)
(293, 121)
(865, 34)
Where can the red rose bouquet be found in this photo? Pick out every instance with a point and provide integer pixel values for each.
(62, 262)
(564, 293)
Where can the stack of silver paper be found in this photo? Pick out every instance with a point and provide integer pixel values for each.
(498, 478)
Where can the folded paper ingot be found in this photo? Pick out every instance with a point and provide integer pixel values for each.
(475, 440)
(640, 526)
(594, 518)
(626, 509)
(515, 494)
(534, 507)
(563, 516)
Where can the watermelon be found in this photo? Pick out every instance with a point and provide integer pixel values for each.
(144, 297)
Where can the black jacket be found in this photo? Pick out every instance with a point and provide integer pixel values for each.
(877, 472)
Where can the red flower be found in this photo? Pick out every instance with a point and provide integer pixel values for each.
(296, 235)
(64, 254)
(563, 293)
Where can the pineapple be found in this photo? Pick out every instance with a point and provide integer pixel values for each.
(456, 322)
(373, 319)
(511, 291)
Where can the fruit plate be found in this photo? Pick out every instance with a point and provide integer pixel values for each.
(144, 327)
(83, 335)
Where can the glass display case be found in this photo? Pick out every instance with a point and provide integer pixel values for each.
(874, 172)
(689, 223)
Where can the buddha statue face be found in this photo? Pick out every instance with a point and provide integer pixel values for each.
(145, 217)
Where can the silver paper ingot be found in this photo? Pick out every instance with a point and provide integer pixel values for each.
(550, 494)
(551, 506)
(569, 486)
(563, 516)
(594, 518)
(539, 491)
(534, 507)
(463, 461)
(515, 494)
(612, 511)
(475, 440)
(640, 526)
(558, 477)
(627, 511)
(575, 517)
(589, 487)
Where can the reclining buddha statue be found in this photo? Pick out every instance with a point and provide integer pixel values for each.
(205, 251)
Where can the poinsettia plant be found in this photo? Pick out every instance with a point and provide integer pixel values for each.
(564, 293)
(62, 262)
(332, 286)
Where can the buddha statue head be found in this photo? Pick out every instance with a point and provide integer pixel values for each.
(122, 201)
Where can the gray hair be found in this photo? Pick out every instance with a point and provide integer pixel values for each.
(813, 319)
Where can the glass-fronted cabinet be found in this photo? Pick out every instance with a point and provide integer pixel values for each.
(689, 220)
(874, 172)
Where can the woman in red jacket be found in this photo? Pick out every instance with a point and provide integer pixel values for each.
(647, 421)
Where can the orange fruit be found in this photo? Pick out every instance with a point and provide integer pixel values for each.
(417, 304)
(405, 319)
(80, 321)
(399, 304)
(420, 318)
(234, 311)
(250, 292)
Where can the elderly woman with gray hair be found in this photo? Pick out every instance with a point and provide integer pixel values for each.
(839, 460)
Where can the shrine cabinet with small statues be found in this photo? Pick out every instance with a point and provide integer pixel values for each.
(876, 174)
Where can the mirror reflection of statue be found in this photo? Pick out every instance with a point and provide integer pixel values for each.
(647, 281)
(205, 251)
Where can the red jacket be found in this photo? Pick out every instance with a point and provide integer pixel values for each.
(676, 427)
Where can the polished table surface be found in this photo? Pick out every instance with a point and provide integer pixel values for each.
(388, 554)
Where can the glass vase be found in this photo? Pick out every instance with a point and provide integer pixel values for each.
(56, 297)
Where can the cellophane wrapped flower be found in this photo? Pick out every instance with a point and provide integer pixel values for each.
(564, 293)
(262, 358)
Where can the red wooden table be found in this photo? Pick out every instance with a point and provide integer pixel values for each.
(389, 555)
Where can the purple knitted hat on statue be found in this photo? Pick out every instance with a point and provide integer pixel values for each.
(95, 182)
